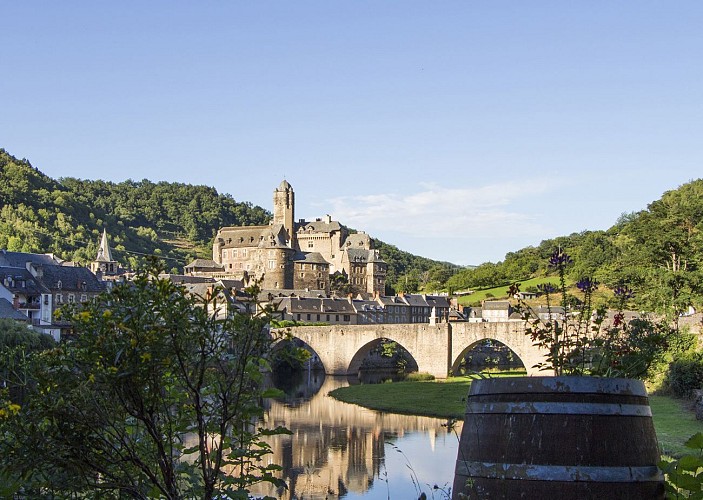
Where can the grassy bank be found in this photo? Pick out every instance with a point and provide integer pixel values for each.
(673, 422)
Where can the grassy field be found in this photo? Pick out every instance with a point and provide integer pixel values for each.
(673, 422)
(501, 292)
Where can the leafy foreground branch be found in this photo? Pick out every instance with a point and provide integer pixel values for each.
(156, 395)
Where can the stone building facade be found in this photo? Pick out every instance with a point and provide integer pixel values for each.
(297, 255)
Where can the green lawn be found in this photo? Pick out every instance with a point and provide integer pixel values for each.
(674, 424)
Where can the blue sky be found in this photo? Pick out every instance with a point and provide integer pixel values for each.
(456, 130)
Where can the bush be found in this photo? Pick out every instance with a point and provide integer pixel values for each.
(418, 377)
(685, 374)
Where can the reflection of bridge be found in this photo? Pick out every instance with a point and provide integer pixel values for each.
(437, 349)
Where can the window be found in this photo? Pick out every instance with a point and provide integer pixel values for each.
(318, 317)
(234, 252)
(328, 318)
(272, 264)
(59, 298)
(310, 244)
(71, 298)
(84, 297)
(346, 317)
(59, 285)
(298, 316)
(308, 317)
(336, 317)
(224, 254)
(244, 252)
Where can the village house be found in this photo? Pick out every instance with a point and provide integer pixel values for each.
(496, 310)
(38, 284)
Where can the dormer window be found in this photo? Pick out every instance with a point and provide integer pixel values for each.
(59, 285)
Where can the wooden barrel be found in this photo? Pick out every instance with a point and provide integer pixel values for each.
(558, 437)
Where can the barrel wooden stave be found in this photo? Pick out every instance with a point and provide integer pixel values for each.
(522, 438)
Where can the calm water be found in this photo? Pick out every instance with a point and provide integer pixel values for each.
(338, 450)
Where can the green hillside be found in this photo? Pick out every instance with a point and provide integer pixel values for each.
(657, 251)
(66, 217)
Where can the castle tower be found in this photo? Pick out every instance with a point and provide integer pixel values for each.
(284, 210)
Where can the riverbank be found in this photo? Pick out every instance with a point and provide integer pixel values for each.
(673, 421)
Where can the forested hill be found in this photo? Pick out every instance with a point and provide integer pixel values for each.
(66, 217)
(657, 251)
(175, 221)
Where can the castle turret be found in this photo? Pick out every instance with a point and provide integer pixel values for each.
(284, 210)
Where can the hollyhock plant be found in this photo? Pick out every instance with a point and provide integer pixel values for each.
(584, 341)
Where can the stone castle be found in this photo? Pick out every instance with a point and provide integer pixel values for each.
(297, 255)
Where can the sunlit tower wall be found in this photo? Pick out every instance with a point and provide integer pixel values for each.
(284, 210)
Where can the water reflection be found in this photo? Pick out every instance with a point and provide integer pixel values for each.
(341, 450)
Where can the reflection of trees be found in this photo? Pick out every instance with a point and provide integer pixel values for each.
(335, 447)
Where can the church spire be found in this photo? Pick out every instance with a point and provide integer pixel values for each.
(104, 253)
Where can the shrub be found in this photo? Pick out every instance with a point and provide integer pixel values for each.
(685, 374)
(418, 376)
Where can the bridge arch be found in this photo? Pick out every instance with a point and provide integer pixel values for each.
(459, 358)
(509, 333)
(365, 350)
(281, 343)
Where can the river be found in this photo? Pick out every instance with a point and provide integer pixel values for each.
(339, 450)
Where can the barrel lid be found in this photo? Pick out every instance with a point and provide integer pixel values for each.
(571, 384)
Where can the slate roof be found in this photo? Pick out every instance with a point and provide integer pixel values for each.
(13, 277)
(275, 237)
(317, 226)
(284, 186)
(547, 310)
(9, 312)
(104, 252)
(183, 278)
(496, 305)
(249, 236)
(415, 300)
(310, 258)
(20, 259)
(319, 306)
(437, 301)
(228, 283)
(72, 279)
(367, 305)
(358, 240)
(205, 264)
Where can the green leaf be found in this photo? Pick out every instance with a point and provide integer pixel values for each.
(690, 463)
(695, 441)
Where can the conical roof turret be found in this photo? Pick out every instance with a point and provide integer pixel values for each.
(104, 252)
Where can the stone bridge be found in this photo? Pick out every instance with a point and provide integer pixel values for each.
(437, 349)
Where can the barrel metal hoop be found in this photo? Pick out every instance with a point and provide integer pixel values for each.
(560, 408)
(571, 473)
